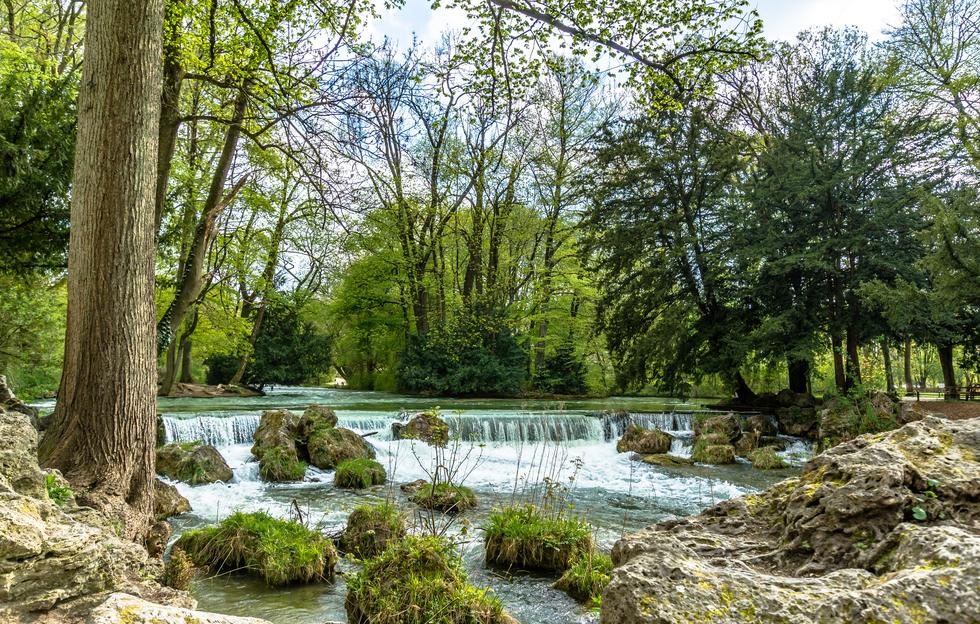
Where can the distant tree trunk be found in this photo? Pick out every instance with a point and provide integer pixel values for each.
(852, 370)
(799, 376)
(950, 388)
(169, 370)
(743, 393)
(840, 379)
(102, 433)
(909, 386)
(186, 360)
(173, 77)
(889, 376)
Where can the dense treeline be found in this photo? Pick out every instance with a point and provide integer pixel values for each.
(467, 219)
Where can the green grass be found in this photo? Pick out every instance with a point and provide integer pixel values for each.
(713, 448)
(278, 465)
(370, 529)
(418, 580)
(359, 473)
(445, 497)
(279, 551)
(525, 537)
(587, 577)
(765, 458)
(59, 494)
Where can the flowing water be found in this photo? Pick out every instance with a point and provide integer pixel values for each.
(508, 446)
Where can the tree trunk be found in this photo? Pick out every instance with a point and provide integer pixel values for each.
(169, 370)
(173, 76)
(909, 386)
(743, 393)
(950, 389)
(889, 376)
(799, 376)
(852, 370)
(840, 380)
(102, 433)
(187, 360)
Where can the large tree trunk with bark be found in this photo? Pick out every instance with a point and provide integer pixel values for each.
(950, 388)
(837, 347)
(852, 369)
(102, 433)
(799, 376)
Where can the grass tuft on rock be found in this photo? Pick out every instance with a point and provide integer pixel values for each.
(418, 580)
(709, 449)
(587, 577)
(370, 529)
(279, 551)
(179, 570)
(444, 497)
(644, 441)
(279, 465)
(525, 537)
(765, 458)
(359, 473)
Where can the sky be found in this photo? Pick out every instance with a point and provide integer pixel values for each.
(782, 18)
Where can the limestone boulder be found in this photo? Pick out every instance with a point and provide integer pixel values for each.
(10, 403)
(330, 447)
(315, 418)
(424, 426)
(727, 426)
(884, 528)
(122, 608)
(192, 463)
(798, 421)
(167, 501)
(644, 441)
(277, 429)
(18, 455)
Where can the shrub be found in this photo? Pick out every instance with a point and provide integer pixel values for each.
(221, 368)
(418, 580)
(587, 577)
(370, 529)
(280, 551)
(445, 497)
(359, 473)
(563, 372)
(765, 458)
(179, 570)
(524, 537)
(278, 465)
(58, 490)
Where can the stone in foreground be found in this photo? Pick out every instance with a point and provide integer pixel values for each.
(884, 528)
(126, 609)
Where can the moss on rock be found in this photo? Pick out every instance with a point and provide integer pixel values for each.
(424, 426)
(525, 537)
(192, 462)
(419, 580)
(279, 551)
(359, 473)
(279, 465)
(444, 497)
(370, 529)
(646, 441)
(329, 447)
(707, 453)
(167, 501)
(664, 460)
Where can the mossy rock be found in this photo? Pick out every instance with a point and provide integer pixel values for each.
(645, 441)
(192, 462)
(424, 426)
(359, 473)
(713, 453)
(370, 529)
(586, 578)
(419, 580)
(329, 447)
(277, 429)
(279, 551)
(765, 458)
(664, 460)
(726, 426)
(278, 465)
(444, 497)
(524, 537)
(316, 418)
(167, 501)
(747, 443)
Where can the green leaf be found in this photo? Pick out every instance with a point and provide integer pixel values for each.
(919, 513)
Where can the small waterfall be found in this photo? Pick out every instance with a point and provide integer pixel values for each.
(614, 424)
(527, 428)
(213, 430)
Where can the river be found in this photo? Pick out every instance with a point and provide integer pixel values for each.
(511, 445)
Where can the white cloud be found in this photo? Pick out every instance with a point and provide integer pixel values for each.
(783, 19)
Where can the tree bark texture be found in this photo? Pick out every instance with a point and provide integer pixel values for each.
(102, 434)
(951, 390)
(909, 385)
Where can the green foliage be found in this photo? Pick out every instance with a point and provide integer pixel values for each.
(587, 577)
(179, 570)
(359, 473)
(476, 354)
(563, 372)
(59, 494)
(370, 529)
(765, 458)
(418, 580)
(279, 551)
(524, 536)
(444, 497)
(221, 367)
(32, 330)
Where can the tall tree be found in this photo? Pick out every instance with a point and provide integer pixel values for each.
(101, 435)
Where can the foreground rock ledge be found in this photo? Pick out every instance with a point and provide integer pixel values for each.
(844, 542)
(126, 609)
